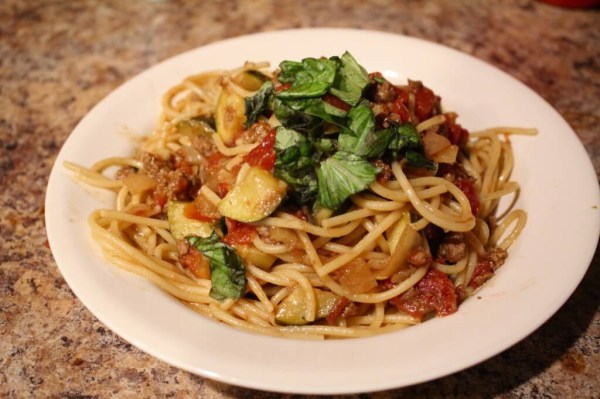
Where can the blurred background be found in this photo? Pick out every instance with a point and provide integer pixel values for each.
(59, 58)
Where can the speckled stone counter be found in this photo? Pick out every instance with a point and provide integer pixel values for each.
(59, 58)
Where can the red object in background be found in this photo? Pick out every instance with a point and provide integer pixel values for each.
(574, 3)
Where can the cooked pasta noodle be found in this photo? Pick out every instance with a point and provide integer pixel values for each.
(421, 236)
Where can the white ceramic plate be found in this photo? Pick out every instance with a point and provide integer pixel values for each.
(559, 190)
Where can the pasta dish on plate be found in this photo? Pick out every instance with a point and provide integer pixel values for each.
(316, 200)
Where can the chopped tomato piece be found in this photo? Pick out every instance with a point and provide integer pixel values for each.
(222, 189)
(197, 263)
(191, 211)
(434, 293)
(263, 155)
(336, 102)
(282, 87)
(337, 310)
(483, 272)
(401, 95)
(398, 107)
(457, 134)
(424, 101)
(239, 233)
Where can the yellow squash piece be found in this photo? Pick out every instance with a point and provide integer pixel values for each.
(250, 80)
(254, 256)
(182, 226)
(230, 115)
(194, 127)
(292, 309)
(254, 197)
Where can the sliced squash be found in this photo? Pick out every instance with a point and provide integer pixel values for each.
(182, 226)
(292, 309)
(253, 197)
(253, 255)
(195, 127)
(230, 115)
(250, 80)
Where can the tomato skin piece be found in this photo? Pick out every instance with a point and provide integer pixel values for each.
(336, 102)
(239, 233)
(263, 155)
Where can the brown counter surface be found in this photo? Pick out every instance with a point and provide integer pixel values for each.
(59, 58)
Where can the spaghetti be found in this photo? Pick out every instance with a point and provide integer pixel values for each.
(316, 201)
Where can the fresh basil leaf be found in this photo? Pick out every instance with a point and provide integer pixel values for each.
(406, 135)
(305, 90)
(417, 159)
(353, 78)
(295, 164)
(310, 79)
(304, 186)
(285, 138)
(258, 103)
(327, 112)
(359, 133)
(316, 70)
(341, 176)
(378, 146)
(325, 146)
(288, 71)
(291, 114)
(360, 137)
(227, 271)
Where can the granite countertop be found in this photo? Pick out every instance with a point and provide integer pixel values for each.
(59, 58)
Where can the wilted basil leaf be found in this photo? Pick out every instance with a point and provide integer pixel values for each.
(227, 271)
